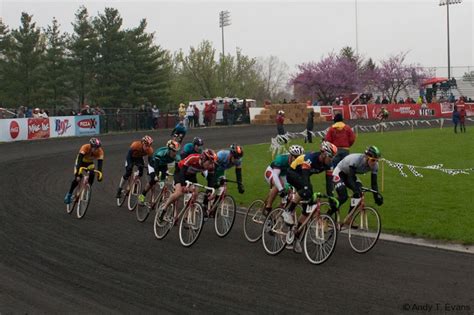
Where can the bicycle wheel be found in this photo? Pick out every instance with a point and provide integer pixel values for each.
(225, 216)
(274, 232)
(123, 197)
(253, 221)
(143, 210)
(164, 221)
(84, 200)
(320, 239)
(135, 191)
(71, 206)
(364, 230)
(190, 225)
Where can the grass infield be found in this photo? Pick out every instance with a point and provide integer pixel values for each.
(437, 205)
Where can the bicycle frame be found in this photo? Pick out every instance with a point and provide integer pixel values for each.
(359, 206)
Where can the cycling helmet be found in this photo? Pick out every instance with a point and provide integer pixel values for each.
(296, 150)
(173, 145)
(236, 151)
(280, 112)
(209, 154)
(328, 148)
(147, 140)
(95, 143)
(373, 152)
(198, 141)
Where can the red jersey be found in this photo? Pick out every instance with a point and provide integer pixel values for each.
(341, 135)
(193, 162)
(280, 119)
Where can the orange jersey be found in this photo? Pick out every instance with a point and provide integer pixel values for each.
(90, 156)
(137, 149)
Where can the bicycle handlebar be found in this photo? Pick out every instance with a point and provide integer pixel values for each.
(82, 168)
(365, 189)
(188, 183)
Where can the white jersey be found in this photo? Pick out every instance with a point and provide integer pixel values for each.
(358, 161)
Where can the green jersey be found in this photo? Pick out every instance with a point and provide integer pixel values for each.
(281, 162)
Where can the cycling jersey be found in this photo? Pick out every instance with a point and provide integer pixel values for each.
(281, 162)
(309, 161)
(356, 161)
(161, 157)
(192, 163)
(188, 149)
(224, 161)
(136, 150)
(179, 129)
(90, 156)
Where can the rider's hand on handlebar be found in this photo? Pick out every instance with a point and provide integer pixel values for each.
(240, 187)
(100, 176)
(378, 199)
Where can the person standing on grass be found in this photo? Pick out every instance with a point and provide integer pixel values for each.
(280, 119)
(342, 136)
(462, 119)
(456, 118)
(309, 127)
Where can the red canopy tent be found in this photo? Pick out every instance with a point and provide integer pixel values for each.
(434, 81)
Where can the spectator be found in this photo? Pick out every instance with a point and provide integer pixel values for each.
(21, 112)
(119, 119)
(401, 101)
(43, 114)
(342, 136)
(142, 116)
(196, 116)
(309, 127)
(462, 119)
(207, 114)
(155, 112)
(190, 115)
(377, 100)
(419, 100)
(36, 113)
(231, 113)
(86, 110)
(213, 112)
(182, 112)
(385, 100)
(456, 118)
(451, 98)
(280, 120)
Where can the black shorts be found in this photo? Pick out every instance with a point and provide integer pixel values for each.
(182, 178)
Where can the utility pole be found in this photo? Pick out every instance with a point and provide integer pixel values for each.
(447, 3)
(224, 20)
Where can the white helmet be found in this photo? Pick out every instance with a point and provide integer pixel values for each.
(296, 150)
(280, 112)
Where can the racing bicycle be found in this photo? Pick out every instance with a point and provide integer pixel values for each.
(131, 191)
(155, 197)
(82, 193)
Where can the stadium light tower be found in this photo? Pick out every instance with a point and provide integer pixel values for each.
(224, 20)
(357, 31)
(447, 3)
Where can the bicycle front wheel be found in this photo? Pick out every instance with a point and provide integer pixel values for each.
(364, 230)
(143, 210)
(164, 221)
(135, 191)
(274, 232)
(84, 200)
(253, 221)
(320, 239)
(225, 216)
(190, 225)
(71, 206)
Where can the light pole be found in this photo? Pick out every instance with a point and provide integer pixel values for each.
(224, 20)
(357, 31)
(447, 3)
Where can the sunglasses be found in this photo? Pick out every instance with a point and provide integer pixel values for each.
(373, 159)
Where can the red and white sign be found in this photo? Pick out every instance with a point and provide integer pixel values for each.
(38, 128)
(14, 129)
(358, 112)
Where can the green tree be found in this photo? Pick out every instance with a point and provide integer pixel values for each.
(5, 44)
(23, 65)
(55, 77)
(82, 46)
(112, 70)
(148, 67)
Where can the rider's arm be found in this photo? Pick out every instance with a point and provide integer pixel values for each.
(276, 179)
(99, 165)
(374, 182)
(238, 174)
(351, 180)
(329, 184)
(79, 159)
(129, 157)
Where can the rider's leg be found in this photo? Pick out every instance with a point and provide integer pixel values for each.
(125, 177)
(178, 192)
(270, 198)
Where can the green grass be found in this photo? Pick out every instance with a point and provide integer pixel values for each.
(438, 206)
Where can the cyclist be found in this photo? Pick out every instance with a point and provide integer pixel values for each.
(275, 174)
(138, 149)
(345, 175)
(158, 162)
(87, 154)
(298, 176)
(226, 159)
(187, 170)
(192, 147)
(179, 132)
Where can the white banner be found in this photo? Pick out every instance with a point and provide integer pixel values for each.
(13, 129)
(63, 126)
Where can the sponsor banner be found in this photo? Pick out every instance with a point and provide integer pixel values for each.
(326, 112)
(358, 112)
(38, 128)
(62, 126)
(87, 125)
(447, 108)
(13, 129)
(339, 110)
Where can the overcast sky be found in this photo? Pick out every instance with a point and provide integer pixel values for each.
(294, 31)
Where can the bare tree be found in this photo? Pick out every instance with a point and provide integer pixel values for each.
(274, 74)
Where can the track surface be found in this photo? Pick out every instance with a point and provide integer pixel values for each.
(51, 262)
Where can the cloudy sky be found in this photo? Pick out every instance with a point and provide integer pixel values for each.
(294, 31)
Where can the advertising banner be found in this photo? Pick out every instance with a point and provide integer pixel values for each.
(62, 126)
(38, 128)
(13, 129)
(87, 125)
(358, 112)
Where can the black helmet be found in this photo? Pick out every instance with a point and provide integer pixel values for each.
(236, 151)
(198, 141)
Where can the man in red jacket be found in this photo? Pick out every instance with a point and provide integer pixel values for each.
(342, 136)
(280, 120)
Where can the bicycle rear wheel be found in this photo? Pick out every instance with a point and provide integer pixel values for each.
(225, 216)
(83, 201)
(123, 197)
(253, 221)
(143, 210)
(164, 221)
(364, 230)
(71, 206)
(135, 191)
(274, 232)
(190, 225)
(320, 239)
